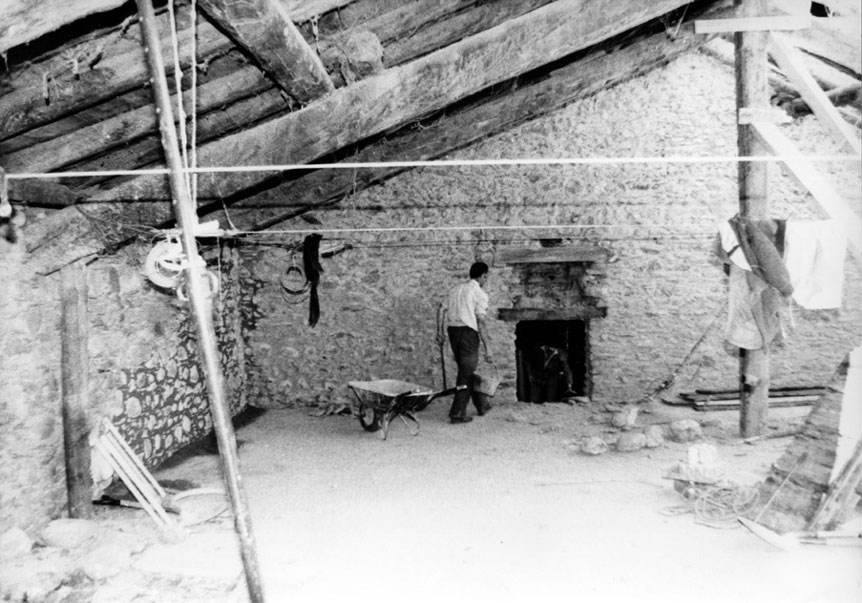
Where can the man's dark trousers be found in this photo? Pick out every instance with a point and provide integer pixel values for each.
(465, 347)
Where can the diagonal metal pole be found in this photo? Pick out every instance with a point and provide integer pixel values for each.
(200, 302)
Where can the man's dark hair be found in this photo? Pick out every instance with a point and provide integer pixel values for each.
(478, 269)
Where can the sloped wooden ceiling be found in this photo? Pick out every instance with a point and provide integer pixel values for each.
(272, 92)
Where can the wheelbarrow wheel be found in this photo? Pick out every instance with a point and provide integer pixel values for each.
(369, 418)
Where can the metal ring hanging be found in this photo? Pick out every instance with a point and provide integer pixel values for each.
(293, 268)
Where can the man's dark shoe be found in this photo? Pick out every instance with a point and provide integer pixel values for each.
(460, 419)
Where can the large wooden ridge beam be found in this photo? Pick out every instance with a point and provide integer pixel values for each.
(264, 29)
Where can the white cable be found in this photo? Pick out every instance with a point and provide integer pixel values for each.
(452, 228)
(682, 159)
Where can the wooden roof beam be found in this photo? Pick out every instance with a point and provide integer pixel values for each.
(23, 21)
(484, 116)
(825, 197)
(351, 114)
(406, 93)
(791, 64)
(264, 29)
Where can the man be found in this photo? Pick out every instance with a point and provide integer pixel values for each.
(465, 315)
(549, 373)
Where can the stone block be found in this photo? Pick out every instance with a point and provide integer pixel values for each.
(654, 436)
(69, 533)
(14, 543)
(594, 446)
(631, 441)
(684, 430)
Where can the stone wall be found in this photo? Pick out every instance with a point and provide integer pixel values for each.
(416, 235)
(144, 371)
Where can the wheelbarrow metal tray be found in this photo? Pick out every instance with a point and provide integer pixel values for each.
(382, 400)
(381, 393)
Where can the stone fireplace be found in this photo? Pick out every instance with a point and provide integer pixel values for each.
(552, 317)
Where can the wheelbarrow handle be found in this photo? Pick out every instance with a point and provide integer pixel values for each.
(447, 392)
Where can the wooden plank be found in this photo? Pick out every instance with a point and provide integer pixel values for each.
(147, 151)
(835, 38)
(700, 394)
(748, 115)
(731, 404)
(74, 364)
(781, 22)
(109, 66)
(22, 21)
(850, 94)
(120, 130)
(42, 193)
(752, 92)
(433, 33)
(555, 255)
(791, 64)
(823, 193)
(264, 29)
(840, 496)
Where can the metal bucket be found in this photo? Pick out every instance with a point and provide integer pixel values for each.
(485, 383)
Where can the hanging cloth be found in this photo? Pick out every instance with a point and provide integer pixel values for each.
(814, 255)
(312, 267)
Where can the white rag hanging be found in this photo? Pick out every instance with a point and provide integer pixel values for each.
(814, 253)
(730, 245)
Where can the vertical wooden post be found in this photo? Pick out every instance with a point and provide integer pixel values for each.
(74, 362)
(200, 302)
(752, 92)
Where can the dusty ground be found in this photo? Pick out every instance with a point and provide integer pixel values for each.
(501, 509)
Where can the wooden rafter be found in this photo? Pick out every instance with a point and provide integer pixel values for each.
(351, 114)
(97, 138)
(406, 93)
(824, 194)
(264, 29)
(22, 21)
(791, 64)
(483, 117)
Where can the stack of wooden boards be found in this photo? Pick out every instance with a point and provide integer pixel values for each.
(701, 399)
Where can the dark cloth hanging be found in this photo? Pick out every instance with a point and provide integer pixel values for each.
(312, 267)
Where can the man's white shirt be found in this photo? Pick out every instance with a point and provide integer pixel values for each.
(466, 301)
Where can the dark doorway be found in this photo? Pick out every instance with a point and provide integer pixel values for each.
(550, 353)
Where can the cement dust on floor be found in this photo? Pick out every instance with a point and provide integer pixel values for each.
(501, 509)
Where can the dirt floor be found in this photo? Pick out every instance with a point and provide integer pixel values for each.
(505, 508)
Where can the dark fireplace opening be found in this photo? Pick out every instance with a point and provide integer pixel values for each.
(550, 354)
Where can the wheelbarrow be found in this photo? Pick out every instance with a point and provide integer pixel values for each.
(381, 401)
